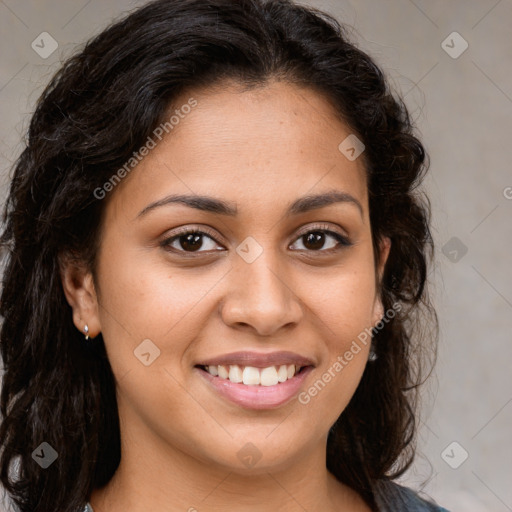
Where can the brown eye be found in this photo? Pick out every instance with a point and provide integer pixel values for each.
(315, 240)
(190, 241)
(197, 241)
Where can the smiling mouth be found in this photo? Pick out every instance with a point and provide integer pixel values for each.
(254, 376)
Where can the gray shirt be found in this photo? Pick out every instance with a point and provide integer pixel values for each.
(390, 497)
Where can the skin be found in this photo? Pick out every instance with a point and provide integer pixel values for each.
(261, 149)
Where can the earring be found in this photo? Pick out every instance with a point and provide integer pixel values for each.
(86, 331)
(372, 356)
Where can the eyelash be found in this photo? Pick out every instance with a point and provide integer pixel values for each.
(342, 240)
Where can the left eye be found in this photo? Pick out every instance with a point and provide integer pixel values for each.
(317, 238)
(192, 241)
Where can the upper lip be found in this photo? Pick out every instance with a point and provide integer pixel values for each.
(258, 359)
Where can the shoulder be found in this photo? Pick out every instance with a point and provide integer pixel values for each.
(392, 497)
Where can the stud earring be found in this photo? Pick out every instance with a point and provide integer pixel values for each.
(372, 356)
(86, 331)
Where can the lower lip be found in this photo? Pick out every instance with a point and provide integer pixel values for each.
(257, 397)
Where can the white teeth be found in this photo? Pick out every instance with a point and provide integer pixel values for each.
(213, 370)
(252, 376)
(235, 373)
(282, 373)
(223, 372)
(269, 376)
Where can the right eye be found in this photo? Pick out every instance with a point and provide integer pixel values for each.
(189, 241)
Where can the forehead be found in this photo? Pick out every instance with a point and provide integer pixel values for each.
(258, 147)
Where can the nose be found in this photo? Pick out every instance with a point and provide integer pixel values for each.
(260, 296)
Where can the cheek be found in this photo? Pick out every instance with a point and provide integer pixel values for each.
(145, 299)
(341, 308)
(343, 301)
(342, 312)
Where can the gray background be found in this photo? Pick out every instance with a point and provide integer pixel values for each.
(463, 110)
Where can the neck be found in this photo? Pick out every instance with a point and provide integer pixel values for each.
(156, 476)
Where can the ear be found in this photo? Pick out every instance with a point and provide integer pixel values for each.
(78, 286)
(378, 308)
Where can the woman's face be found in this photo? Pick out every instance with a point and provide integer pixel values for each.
(254, 291)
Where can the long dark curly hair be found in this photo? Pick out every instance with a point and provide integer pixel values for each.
(97, 110)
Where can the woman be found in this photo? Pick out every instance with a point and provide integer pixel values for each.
(216, 267)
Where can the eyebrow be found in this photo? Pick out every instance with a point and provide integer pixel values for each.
(218, 206)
